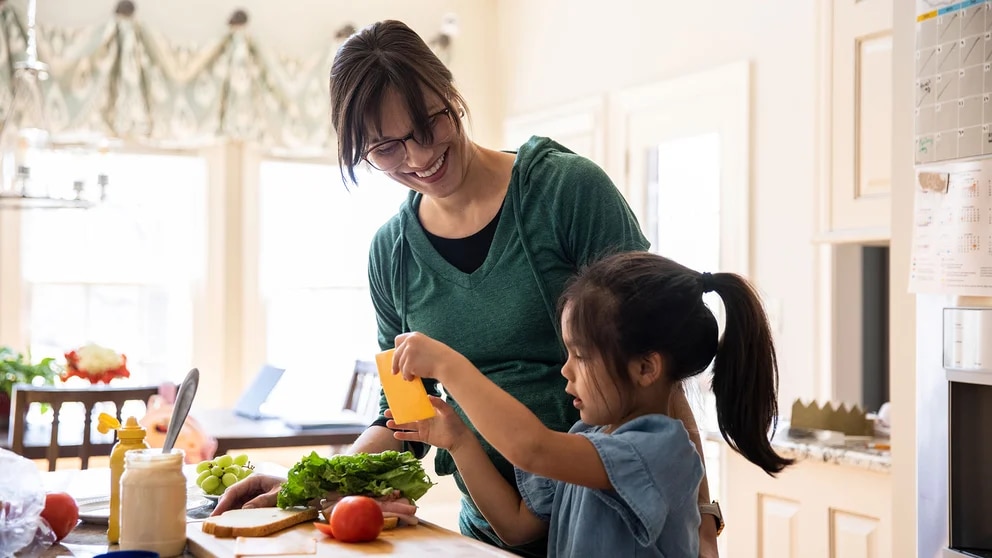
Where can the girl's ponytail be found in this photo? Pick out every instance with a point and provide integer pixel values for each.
(745, 373)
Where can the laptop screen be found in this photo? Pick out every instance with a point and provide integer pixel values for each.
(250, 403)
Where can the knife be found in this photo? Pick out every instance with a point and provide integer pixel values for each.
(184, 400)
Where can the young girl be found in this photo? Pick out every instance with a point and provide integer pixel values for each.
(623, 480)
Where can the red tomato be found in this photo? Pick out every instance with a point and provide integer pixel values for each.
(61, 513)
(324, 528)
(356, 519)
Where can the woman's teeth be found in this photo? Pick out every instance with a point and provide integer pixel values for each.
(430, 172)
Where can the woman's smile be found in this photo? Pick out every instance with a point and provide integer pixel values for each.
(435, 172)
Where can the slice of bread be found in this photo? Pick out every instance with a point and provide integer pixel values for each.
(257, 522)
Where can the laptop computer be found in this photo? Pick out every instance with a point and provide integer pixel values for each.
(299, 417)
(250, 403)
(324, 419)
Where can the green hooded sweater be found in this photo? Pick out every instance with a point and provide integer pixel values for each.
(561, 211)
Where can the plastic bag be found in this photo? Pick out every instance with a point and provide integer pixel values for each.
(22, 499)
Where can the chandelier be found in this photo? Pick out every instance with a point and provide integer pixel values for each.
(25, 132)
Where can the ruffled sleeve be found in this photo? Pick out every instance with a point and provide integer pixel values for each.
(538, 493)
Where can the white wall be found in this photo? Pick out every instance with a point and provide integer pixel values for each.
(559, 50)
(513, 56)
(300, 28)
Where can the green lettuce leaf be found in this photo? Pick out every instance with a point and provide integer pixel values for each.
(366, 474)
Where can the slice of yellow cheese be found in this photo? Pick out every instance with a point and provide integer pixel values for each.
(407, 400)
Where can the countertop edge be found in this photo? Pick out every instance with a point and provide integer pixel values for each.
(879, 461)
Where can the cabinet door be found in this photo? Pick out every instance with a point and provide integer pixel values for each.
(811, 510)
(860, 123)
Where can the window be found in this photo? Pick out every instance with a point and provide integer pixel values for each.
(313, 273)
(684, 204)
(122, 274)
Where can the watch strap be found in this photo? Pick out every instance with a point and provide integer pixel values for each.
(713, 508)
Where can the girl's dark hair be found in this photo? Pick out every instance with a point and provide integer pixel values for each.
(636, 303)
(385, 55)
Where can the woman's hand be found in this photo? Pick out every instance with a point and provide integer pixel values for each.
(418, 355)
(256, 491)
(445, 430)
(395, 505)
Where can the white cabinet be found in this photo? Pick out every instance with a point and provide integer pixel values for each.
(811, 510)
(856, 119)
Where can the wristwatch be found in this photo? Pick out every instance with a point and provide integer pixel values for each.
(713, 508)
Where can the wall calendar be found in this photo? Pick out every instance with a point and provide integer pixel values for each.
(952, 236)
(953, 80)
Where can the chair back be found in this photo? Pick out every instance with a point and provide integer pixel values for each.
(363, 392)
(75, 441)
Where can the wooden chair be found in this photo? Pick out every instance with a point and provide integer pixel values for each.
(363, 392)
(21, 441)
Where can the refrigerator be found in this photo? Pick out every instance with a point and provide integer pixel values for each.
(950, 273)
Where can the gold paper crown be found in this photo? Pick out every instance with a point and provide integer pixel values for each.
(851, 422)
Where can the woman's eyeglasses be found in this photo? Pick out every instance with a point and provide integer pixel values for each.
(388, 155)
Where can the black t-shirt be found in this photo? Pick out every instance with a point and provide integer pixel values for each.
(467, 253)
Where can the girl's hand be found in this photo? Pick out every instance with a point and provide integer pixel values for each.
(445, 430)
(418, 355)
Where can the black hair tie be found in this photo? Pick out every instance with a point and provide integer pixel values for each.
(706, 280)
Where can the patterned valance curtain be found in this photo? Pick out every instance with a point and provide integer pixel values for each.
(124, 80)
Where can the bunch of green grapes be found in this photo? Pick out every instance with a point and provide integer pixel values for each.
(217, 474)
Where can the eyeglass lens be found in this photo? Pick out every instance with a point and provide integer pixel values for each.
(391, 154)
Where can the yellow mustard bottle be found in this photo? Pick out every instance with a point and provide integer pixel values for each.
(130, 436)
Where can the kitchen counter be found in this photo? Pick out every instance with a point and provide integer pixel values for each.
(89, 540)
(860, 452)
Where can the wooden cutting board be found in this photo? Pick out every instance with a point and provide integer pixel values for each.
(418, 541)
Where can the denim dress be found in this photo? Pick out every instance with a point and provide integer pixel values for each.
(652, 508)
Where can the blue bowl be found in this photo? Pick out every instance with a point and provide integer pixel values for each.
(129, 554)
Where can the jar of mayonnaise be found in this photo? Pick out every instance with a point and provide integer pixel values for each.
(153, 502)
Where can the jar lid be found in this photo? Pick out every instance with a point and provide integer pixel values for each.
(128, 554)
(154, 455)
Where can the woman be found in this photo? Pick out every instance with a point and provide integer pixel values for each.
(481, 250)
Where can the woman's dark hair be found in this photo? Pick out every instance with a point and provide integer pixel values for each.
(385, 55)
(636, 303)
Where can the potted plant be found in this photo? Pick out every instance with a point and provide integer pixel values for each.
(15, 368)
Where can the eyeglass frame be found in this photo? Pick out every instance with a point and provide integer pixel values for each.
(411, 136)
